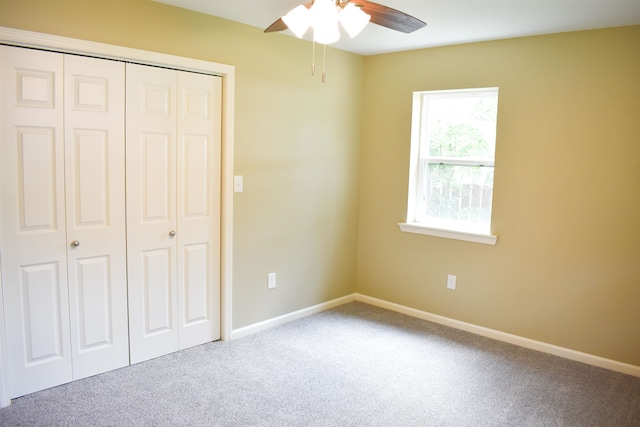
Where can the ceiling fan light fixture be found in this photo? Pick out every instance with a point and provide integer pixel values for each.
(353, 19)
(324, 21)
(298, 20)
(326, 34)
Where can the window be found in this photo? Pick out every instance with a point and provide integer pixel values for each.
(453, 140)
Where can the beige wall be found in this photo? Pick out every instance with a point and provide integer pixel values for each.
(566, 268)
(296, 141)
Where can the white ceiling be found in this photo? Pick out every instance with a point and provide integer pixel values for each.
(448, 21)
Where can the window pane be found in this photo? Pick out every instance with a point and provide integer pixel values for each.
(460, 126)
(456, 194)
(453, 140)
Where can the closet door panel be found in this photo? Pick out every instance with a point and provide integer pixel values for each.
(95, 195)
(40, 291)
(157, 303)
(151, 211)
(93, 299)
(37, 190)
(32, 228)
(199, 133)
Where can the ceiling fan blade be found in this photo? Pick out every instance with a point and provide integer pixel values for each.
(390, 18)
(278, 25)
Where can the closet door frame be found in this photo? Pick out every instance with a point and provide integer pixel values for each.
(23, 38)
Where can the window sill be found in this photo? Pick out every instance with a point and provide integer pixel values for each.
(487, 239)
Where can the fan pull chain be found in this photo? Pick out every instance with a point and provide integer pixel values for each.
(324, 62)
(313, 59)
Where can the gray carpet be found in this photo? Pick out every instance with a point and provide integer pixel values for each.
(355, 365)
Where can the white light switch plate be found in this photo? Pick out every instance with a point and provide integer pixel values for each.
(238, 184)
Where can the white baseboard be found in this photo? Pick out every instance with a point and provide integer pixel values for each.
(566, 353)
(276, 321)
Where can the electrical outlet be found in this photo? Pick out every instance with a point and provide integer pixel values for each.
(271, 280)
(451, 281)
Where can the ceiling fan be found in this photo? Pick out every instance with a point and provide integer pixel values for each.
(323, 16)
(380, 15)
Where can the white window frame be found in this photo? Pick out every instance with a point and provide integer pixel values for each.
(446, 229)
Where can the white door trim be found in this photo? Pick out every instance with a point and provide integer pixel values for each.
(23, 38)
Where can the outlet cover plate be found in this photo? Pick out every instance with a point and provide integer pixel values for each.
(451, 281)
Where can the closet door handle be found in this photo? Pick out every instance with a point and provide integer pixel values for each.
(172, 233)
(75, 243)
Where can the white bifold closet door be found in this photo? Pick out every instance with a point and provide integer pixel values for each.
(62, 231)
(95, 184)
(173, 209)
